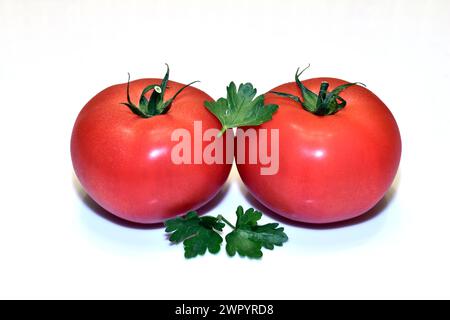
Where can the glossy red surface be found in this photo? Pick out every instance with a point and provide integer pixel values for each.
(331, 168)
(124, 161)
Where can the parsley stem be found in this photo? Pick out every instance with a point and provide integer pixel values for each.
(222, 131)
(221, 218)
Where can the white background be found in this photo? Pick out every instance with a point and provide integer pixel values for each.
(55, 55)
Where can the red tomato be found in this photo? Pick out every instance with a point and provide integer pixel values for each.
(332, 167)
(124, 162)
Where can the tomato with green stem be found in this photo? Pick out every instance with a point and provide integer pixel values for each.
(121, 150)
(339, 151)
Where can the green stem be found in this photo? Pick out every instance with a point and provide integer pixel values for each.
(221, 218)
(222, 131)
(155, 105)
(321, 107)
(322, 104)
(323, 90)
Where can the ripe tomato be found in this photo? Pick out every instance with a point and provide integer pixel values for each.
(123, 161)
(331, 167)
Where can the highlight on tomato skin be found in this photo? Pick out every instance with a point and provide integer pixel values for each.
(333, 166)
(121, 150)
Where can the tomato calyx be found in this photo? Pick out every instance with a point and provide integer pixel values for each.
(155, 105)
(322, 104)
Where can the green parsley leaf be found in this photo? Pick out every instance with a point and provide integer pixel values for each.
(198, 234)
(240, 108)
(247, 239)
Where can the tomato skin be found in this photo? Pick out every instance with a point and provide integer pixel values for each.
(331, 168)
(124, 161)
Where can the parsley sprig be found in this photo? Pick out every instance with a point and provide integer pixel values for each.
(247, 238)
(240, 108)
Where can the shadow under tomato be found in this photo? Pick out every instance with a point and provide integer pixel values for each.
(104, 214)
(372, 213)
(214, 202)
